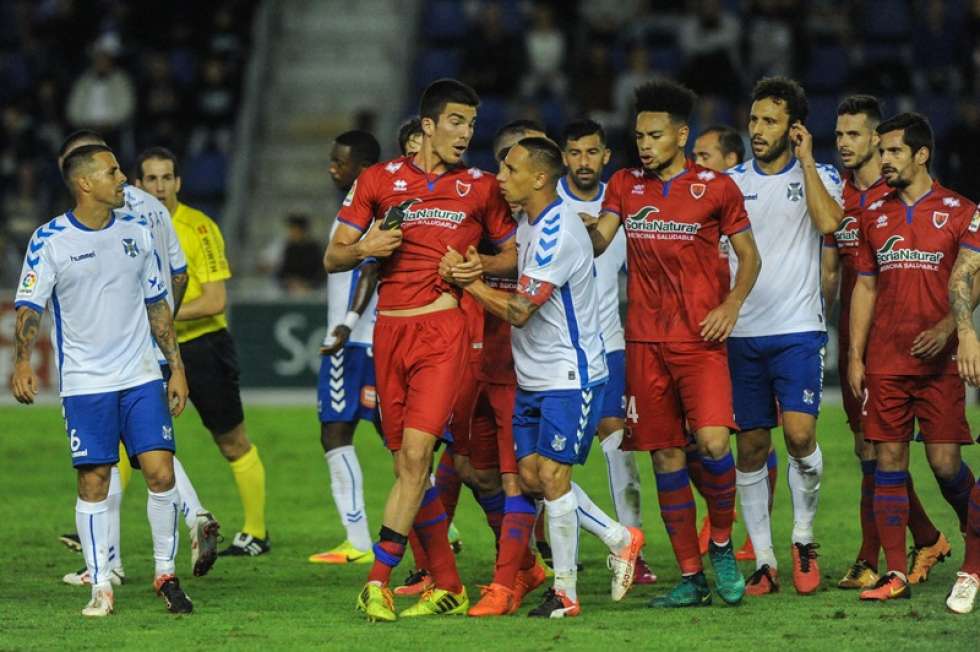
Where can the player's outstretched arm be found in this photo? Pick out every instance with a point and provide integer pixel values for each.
(162, 328)
(862, 310)
(363, 291)
(24, 384)
(719, 323)
(602, 230)
(824, 210)
(963, 296)
(179, 283)
(503, 264)
(829, 276)
(348, 248)
(515, 308)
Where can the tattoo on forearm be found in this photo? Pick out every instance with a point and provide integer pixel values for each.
(28, 324)
(961, 288)
(179, 283)
(162, 327)
(519, 309)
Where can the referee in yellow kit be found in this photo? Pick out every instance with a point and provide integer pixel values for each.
(207, 347)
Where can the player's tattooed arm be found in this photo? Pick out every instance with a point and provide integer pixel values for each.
(963, 296)
(24, 383)
(179, 283)
(514, 308)
(601, 230)
(162, 328)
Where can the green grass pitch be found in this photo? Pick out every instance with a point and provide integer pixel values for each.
(281, 601)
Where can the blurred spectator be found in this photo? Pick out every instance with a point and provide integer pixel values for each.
(24, 208)
(301, 268)
(593, 83)
(637, 73)
(607, 18)
(709, 40)
(103, 98)
(936, 41)
(161, 104)
(410, 136)
(771, 38)
(493, 59)
(545, 46)
(215, 103)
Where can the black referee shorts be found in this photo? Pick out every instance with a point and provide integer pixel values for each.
(211, 363)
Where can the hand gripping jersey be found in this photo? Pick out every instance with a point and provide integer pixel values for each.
(451, 209)
(912, 250)
(340, 296)
(97, 285)
(608, 266)
(560, 346)
(673, 230)
(786, 297)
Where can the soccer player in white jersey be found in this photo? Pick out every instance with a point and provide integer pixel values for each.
(585, 154)
(345, 391)
(776, 350)
(143, 208)
(560, 364)
(97, 273)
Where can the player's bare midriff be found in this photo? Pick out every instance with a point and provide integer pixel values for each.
(446, 301)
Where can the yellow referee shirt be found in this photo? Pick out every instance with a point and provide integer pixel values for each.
(204, 248)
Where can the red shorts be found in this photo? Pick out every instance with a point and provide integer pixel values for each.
(894, 403)
(418, 361)
(468, 387)
(672, 386)
(492, 434)
(852, 404)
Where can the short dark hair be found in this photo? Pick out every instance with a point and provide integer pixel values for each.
(78, 136)
(517, 127)
(728, 140)
(161, 153)
(78, 158)
(868, 105)
(666, 96)
(916, 132)
(443, 91)
(784, 91)
(364, 147)
(300, 220)
(545, 154)
(408, 129)
(580, 129)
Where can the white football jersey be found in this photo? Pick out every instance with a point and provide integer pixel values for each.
(786, 297)
(170, 260)
(608, 268)
(340, 294)
(560, 346)
(97, 285)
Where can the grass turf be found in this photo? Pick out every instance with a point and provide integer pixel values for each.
(282, 601)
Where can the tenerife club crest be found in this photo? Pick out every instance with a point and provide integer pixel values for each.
(794, 191)
(130, 248)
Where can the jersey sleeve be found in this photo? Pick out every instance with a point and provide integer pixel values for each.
(865, 261)
(731, 211)
(498, 223)
(357, 209)
(175, 254)
(612, 201)
(832, 181)
(212, 264)
(154, 288)
(970, 235)
(37, 277)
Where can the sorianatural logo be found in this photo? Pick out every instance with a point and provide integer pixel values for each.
(848, 231)
(888, 253)
(643, 221)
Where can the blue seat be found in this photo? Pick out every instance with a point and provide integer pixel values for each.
(204, 174)
(436, 63)
(666, 61)
(493, 113)
(444, 20)
(829, 68)
(481, 157)
(941, 111)
(823, 115)
(887, 19)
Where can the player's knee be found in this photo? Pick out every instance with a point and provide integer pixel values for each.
(528, 480)
(234, 443)
(945, 464)
(800, 441)
(556, 480)
(751, 456)
(487, 481)
(413, 464)
(159, 479)
(714, 446)
(93, 483)
(335, 435)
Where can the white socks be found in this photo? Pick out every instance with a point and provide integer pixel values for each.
(753, 492)
(92, 523)
(624, 480)
(595, 521)
(804, 486)
(563, 535)
(163, 511)
(347, 487)
(114, 502)
(190, 504)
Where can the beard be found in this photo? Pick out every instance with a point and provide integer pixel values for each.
(776, 150)
(864, 159)
(897, 182)
(587, 185)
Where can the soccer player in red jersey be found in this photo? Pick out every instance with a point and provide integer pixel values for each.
(857, 145)
(902, 344)
(429, 202)
(675, 213)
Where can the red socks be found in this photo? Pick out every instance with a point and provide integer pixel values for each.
(387, 553)
(680, 515)
(515, 533)
(718, 489)
(448, 483)
(891, 507)
(870, 542)
(432, 528)
(924, 533)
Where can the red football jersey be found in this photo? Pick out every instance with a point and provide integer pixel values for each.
(498, 358)
(673, 229)
(473, 312)
(452, 209)
(847, 238)
(912, 250)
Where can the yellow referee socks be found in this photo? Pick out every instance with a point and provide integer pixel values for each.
(250, 478)
(125, 470)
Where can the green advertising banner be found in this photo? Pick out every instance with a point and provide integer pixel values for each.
(278, 343)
